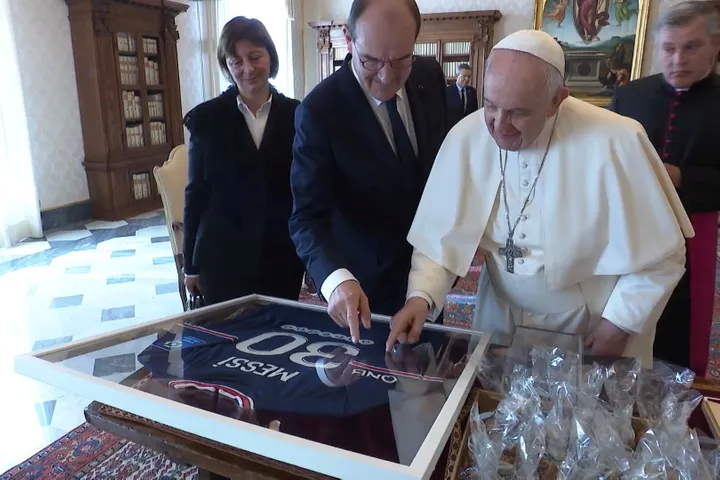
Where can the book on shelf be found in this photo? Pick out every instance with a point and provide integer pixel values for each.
(141, 185)
(134, 135)
(125, 42)
(150, 46)
(155, 105)
(157, 133)
(128, 70)
(131, 106)
(456, 48)
(152, 72)
(428, 49)
(450, 69)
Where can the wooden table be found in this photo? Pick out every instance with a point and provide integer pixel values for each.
(216, 460)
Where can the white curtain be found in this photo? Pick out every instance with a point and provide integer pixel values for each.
(19, 207)
(278, 17)
(296, 14)
(213, 81)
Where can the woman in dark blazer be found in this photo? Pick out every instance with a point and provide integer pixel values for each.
(238, 200)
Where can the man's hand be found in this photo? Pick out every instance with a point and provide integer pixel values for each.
(192, 283)
(607, 340)
(348, 306)
(407, 324)
(675, 174)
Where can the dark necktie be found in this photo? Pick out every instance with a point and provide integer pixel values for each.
(463, 98)
(403, 147)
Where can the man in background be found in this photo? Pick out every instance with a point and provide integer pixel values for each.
(366, 138)
(679, 109)
(461, 98)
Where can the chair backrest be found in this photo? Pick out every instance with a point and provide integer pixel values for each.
(171, 180)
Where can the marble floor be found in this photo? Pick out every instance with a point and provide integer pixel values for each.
(74, 283)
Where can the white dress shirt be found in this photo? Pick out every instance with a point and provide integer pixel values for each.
(378, 107)
(256, 122)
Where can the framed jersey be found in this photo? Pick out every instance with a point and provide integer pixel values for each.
(280, 379)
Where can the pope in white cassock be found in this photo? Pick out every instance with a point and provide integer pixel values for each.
(578, 221)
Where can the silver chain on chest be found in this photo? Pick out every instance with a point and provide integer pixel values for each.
(510, 251)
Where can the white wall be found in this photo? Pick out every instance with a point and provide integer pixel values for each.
(47, 71)
(516, 15)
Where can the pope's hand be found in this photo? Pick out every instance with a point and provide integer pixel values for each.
(607, 340)
(407, 324)
(348, 306)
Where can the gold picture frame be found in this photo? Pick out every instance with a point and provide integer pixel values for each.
(603, 40)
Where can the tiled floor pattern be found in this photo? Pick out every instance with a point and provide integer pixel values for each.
(75, 283)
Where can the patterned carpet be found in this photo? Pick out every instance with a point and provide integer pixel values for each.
(714, 360)
(87, 453)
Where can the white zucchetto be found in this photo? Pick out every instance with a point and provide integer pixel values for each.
(536, 43)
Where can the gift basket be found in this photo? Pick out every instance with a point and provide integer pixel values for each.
(546, 412)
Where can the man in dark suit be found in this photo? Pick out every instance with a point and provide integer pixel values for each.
(679, 110)
(461, 98)
(366, 138)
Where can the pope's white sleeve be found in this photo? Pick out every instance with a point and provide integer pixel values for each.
(639, 298)
(430, 281)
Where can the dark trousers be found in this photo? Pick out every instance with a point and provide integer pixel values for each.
(672, 337)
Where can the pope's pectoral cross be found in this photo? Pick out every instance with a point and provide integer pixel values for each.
(511, 252)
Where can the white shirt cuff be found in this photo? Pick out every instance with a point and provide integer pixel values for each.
(333, 280)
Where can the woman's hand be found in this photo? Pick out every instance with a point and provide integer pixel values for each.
(192, 283)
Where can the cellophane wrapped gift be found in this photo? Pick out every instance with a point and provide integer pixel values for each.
(485, 451)
(655, 384)
(559, 419)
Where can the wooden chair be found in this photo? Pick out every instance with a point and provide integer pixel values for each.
(171, 179)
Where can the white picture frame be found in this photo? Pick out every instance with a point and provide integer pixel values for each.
(43, 366)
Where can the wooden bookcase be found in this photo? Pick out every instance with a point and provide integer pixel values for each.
(451, 38)
(129, 91)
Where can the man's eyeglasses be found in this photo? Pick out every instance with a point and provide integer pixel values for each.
(375, 65)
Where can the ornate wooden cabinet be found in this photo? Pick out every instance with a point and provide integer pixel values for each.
(451, 38)
(129, 90)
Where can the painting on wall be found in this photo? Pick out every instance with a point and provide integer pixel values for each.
(603, 42)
